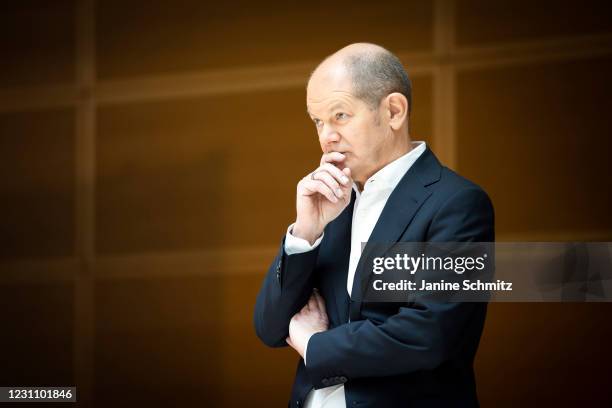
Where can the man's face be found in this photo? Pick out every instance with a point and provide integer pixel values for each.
(346, 124)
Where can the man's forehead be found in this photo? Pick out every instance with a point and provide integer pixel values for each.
(329, 76)
(333, 100)
(329, 84)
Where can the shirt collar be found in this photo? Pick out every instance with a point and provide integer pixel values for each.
(389, 176)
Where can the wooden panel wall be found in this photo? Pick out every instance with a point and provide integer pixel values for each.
(149, 157)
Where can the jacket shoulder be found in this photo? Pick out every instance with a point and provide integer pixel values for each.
(451, 183)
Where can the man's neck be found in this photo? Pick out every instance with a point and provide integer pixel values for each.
(395, 154)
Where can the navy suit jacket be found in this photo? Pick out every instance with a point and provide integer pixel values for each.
(418, 354)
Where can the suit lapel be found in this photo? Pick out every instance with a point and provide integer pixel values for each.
(343, 224)
(402, 205)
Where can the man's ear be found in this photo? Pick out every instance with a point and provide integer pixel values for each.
(397, 109)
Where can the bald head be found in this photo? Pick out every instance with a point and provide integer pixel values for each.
(373, 72)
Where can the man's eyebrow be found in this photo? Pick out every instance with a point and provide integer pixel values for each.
(333, 107)
(338, 105)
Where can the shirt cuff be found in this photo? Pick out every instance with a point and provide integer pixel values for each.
(295, 245)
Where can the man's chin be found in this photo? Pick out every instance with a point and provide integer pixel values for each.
(349, 161)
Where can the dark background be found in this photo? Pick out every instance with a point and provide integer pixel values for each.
(149, 152)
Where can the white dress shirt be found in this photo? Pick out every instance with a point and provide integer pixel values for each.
(368, 207)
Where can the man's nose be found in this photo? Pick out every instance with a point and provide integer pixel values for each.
(328, 135)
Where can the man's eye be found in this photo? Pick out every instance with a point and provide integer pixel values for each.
(341, 115)
(317, 122)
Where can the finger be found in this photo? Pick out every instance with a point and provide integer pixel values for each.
(332, 157)
(312, 303)
(336, 173)
(317, 186)
(325, 177)
(320, 302)
(347, 172)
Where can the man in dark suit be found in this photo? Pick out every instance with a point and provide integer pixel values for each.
(373, 184)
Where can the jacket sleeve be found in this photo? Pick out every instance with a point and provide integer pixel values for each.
(419, 337)
(285, 290)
